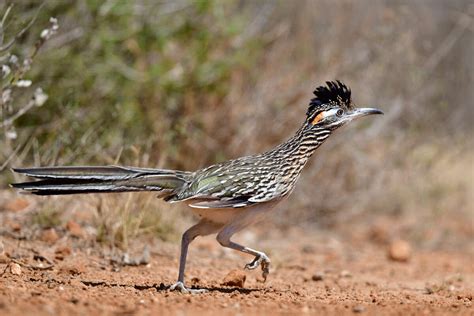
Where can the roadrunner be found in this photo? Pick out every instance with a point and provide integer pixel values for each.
(227, 196)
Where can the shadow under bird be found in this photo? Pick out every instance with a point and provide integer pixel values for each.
(227, 196)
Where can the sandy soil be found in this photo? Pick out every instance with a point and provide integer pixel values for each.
(66, 273)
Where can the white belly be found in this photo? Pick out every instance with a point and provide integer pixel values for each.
(248, 215)
(218, 215)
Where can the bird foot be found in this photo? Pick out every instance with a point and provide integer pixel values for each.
(179, 286)
(260, 260)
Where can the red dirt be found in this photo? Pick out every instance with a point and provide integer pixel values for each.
(311, 273)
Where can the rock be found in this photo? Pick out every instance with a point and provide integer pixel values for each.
(17, 205)
(77, 284)
(235, 278)
(319, 276)
(49, 235)
(358, 309)
(399, 250)
(4, 258)
(75, 229)
(15, 269)
(74, 300)
(15, 226)
(345, 274)
(62, 252)
(73, 269)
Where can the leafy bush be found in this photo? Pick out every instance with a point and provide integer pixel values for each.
(129, 76)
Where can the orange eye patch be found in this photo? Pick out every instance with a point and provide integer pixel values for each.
(317, 118)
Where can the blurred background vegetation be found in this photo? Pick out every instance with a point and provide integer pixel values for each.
(182, 84)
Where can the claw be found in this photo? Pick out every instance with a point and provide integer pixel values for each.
(179, 286)
(260, 260)
(265, 269)
(254, 264)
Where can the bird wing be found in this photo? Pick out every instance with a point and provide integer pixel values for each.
(238, 183)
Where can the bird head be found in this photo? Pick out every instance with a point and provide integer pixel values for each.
(332, 107)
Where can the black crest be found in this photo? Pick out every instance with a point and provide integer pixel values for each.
(334, 93)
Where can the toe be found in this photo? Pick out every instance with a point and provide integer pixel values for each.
(197, 291)
(251, 266)
(254, 264)
(179, 286)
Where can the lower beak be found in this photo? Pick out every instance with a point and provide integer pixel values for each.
(360, 112)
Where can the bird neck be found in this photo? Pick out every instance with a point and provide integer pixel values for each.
(303, 144)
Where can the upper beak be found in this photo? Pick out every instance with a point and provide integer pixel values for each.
(356, 113)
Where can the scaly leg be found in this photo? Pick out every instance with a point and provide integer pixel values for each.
(260, 258)
(202, 228)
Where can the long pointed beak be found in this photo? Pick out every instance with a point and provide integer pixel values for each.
(360, 112)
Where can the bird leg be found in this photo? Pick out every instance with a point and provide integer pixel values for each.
(260, 258)
(202, 228)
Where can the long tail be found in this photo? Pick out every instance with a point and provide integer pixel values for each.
(74, 180)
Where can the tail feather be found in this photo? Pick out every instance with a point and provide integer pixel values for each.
(74, 180)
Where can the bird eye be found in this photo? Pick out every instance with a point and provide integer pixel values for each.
(339, 112)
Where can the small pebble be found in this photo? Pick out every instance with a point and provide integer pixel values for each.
(399, 250)
(4, 258)
(49, 236)
(73, 269)
(75, 229)
(319, 276)
(62, 252)
(345, 274)
(15, 269)
(358, 309)
(77, 284)
(235, 278)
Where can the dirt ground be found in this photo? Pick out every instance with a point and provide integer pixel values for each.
(64, 272)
